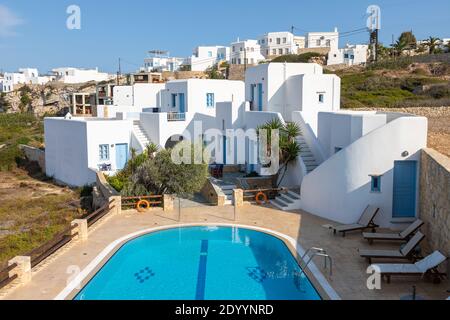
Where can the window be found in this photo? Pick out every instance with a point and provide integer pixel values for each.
(280, 51)
(376, 184)
(174, 100)
(284, 40)
(337, 149)
(234, 49)
(274, 51)
(321, 98)
(278, 40)
(263, 41)
(104, 152)
(346, 56)
(209, 54)
(210, 100)
(287, 50)
(267, 52)
(328, 43)
(318, 43)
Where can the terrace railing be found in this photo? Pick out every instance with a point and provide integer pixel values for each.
(5, 278)
(250, 195)
(98, 214)
(131, 202)
(176, 116)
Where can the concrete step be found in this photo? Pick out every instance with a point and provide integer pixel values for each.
(279, 204)
(286, 199)
(294, 195)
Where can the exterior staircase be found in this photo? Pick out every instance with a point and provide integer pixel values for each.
(228, 191)
(287, 201)
(307, 156)
(140, 134)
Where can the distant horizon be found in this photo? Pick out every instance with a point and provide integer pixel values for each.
(34, 34)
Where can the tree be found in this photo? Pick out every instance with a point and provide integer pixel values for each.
(214, 73)
(432, 43)
(160, 175)
(289, 147)
(399, 46)
(409, 39)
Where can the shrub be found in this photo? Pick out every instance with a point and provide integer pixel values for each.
(86, 191)
(297, 58)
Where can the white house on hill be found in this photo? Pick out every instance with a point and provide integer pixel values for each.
(349, 55)
(205, 57)
(74, 75)
(24, 76)
(246, 52)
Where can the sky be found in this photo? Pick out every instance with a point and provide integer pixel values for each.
(33, 33)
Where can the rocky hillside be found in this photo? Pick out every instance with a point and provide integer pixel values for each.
(52, 98)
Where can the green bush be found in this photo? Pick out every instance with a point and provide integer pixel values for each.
(86, 191)
(297, 58)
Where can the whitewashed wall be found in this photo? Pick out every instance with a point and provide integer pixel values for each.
(340, 189)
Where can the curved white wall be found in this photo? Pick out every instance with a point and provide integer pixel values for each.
(340, 188)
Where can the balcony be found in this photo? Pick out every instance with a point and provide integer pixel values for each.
(176, 116)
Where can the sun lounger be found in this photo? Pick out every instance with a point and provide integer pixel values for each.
(402, 236)
(407, 252)
(365, 222)
(427, 266)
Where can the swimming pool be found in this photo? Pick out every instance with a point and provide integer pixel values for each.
(201, 263)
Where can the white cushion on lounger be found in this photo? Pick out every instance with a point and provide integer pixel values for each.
(422, 266)
(430, 262)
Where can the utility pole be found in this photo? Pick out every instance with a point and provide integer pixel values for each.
(292, 29)
(119, 73)
(374, 23)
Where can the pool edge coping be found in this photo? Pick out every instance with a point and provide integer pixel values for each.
(110, 249)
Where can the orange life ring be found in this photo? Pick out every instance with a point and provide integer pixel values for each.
(262, 201)
(142, 205)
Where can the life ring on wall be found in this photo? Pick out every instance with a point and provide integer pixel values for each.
(142, 205)
(261, 198)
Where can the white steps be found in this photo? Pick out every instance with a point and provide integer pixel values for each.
(140, 134)
(287, 201)
(228, 191)
(307, 156)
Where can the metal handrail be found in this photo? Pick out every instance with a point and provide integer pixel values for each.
(176, 116)
(318, 252)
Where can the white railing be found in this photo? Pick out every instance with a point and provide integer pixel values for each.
(175, 116)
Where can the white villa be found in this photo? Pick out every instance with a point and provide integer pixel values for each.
(275, 44)
(323, 39)
(24, 76)
(205, 57)
(349, 55)
(246, 52)
(71, 75)
(162, 63)
(349, 159)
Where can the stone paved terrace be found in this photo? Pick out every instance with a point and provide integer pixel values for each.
(349, 278)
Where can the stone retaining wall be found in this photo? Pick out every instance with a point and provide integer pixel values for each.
(435, 200)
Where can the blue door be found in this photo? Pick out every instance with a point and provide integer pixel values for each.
(182, 103)
(121, 155)
(405, 189)
(260, 97)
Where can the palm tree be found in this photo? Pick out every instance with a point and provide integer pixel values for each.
(400, 46)
(289, 148)
(432, 44)
(152, 149)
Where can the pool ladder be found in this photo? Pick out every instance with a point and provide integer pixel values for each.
(318, 252)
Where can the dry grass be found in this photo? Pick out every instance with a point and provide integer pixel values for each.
(31, 212)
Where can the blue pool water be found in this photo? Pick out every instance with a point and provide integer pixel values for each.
(201, 263)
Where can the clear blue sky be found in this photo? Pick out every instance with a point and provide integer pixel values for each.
(34, 33)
